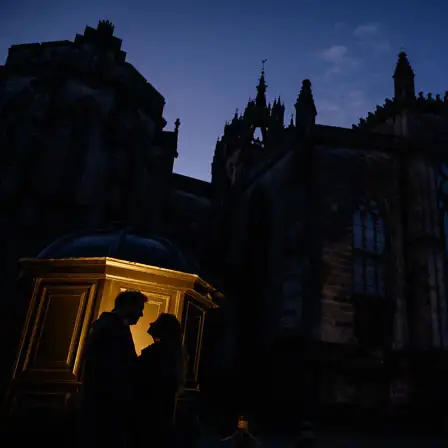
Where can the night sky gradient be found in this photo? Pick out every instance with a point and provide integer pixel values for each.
(205, 56)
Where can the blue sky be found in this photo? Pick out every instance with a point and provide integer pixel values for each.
(205, 57)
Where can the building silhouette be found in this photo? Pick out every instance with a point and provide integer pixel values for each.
(330, 243)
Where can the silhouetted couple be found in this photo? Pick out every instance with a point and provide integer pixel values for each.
(129, 401)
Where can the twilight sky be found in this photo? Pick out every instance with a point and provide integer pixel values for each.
(205, 56)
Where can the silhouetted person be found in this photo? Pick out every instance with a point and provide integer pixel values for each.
(160, 378)
(108, 369)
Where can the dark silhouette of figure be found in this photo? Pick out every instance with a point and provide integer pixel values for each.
(109, 364)
(160, 379)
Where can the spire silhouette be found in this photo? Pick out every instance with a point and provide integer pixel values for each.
(260, 100)
(403, 68)
(261, 112)
(306, 111)
(404, 87)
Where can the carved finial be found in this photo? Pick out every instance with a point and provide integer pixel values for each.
(263, 61)
(106, 27)
(176, 125)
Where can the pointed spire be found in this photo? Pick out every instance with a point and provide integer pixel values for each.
(306, 111)
(235, 117)
(278, 113)
(261, 112)
(404, 79)
(260, 100)
(403, 68)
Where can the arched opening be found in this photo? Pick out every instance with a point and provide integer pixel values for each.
(373, 306)
(258, 137)
(369, 246)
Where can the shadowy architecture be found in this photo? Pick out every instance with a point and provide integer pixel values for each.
(84, 140)
(341, 236)
(83, 145)
(330, 241)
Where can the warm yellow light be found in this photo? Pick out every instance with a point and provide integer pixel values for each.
(140, 331)
(243, 423)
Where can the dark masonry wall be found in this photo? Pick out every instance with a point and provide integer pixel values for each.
(352, 226)
(329, 244)
(83, 146)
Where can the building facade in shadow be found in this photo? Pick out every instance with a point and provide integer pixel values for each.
(330, 243)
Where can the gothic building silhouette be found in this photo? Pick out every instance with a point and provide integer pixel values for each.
(329, 243)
